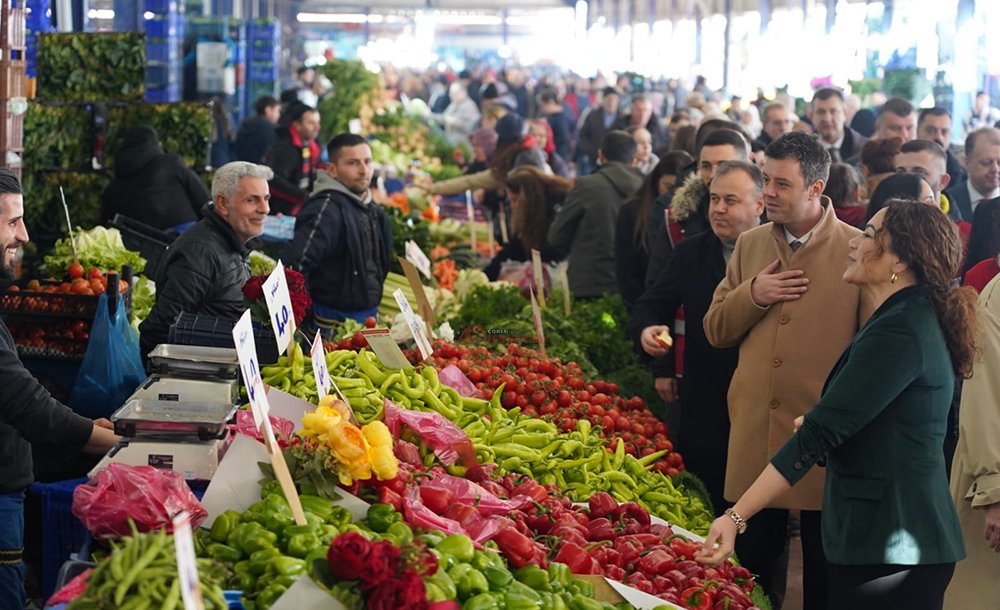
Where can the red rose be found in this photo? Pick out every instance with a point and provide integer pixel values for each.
(254, 288)
(300, 304)
(381, 566)
(295, 280)
(348, 555)
(404, 591)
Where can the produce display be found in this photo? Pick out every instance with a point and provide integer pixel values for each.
(99, 247)
(90, 67)
(141, 572)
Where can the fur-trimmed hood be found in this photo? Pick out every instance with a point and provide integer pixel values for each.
(687, 198)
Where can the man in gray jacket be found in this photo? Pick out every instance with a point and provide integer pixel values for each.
(584, 227)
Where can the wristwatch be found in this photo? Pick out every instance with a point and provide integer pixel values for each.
(741, 523)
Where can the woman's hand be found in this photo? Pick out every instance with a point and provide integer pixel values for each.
(719, 543)
(797, 423)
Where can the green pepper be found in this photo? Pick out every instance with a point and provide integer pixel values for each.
(288, 566)
(251, 537)
(246, 580)
(292, 530)
(255, 513)
(583, 587)
(579, 602)
(518, 601)
(431, 539)
(224, 524)
(381, 516)
(484, 601)
(261, 559)
(534, 577)
(521, 589)
(276, 522)
(434, 593)
(402, 533)
(223, 552)
(559, 573)
(339, 516)
(442, 581)
(552, 601)
(267, 597)
(458, 546)
(457, 571)
(271, 487)
(201, 539)
(498, 578)
(471, 583)
(326, 534)
(482, 559)
(301, 545)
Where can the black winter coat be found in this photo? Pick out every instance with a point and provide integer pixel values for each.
(203, 273)
(254, 137)
(153, 187)
(29, 414)
(696, 268)
(327, 249)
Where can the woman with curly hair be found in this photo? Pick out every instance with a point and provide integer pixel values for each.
(890, 531)
(533, 196)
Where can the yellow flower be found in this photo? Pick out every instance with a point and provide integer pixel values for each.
(361, 470)
(384, 463)
(377, 434)
(348, 443)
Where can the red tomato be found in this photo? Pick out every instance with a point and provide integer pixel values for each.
(76, 270)
(370, 322)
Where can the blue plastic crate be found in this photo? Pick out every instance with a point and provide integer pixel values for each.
(264, 53)
(165, 26)
(163, 95)
(163, 50)
(62, 533)
(265, 73)
(161, 7)
(234, 599)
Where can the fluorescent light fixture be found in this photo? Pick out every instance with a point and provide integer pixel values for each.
(337, 18)
(101, 13)
(148, 15)
(468, 19)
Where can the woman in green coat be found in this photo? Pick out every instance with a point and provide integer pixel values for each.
(890, 532)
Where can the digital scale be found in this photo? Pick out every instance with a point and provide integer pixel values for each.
(177, 419)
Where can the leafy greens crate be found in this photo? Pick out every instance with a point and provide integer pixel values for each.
(43, 205)
(184, 129)
(85, 67)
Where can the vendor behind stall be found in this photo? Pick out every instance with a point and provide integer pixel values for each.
(343, 239)
(205, 269)
(28, 414)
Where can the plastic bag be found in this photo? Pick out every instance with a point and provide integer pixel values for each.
(449, 442)
(148, 496)
(112, 368)
(418, 515)
(467, 492)
(522, 275)
(454, 378)
(71, 590)
(283, 428)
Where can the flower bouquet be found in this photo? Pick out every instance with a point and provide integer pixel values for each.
(253, 296)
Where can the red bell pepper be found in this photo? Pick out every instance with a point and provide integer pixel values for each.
(629, 549)
(602, 504)
(576, 535)
(600, 529)
(634, 511)
(647, 541)
(531, 488)
(516, 547)
(681, 547)
(656, 562)
(697, 598)
(388, 496)
(577, 559)
(614, 572)
(436, 499)
(463, 513)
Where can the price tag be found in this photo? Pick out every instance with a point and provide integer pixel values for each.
(426, 311)
(246, 352)
(416, 256)
(279, 306)
(536, 270)
(385, 347)
(187, 566)
(320, 372)
(423, 345)
(536, 313)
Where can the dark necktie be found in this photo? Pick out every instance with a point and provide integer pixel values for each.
(795, 245)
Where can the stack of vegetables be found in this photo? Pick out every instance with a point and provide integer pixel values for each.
(577, 461)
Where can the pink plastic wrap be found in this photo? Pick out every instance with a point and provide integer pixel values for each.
(418, 515)
(283, 428)
(71, 590)
(454, 378)
(449, 442)
(467, 492)
(148, 496)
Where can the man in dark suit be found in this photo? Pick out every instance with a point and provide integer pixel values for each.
(934, 124)
(840, 140)
(695, 269)
(778, 120)
(982, 161)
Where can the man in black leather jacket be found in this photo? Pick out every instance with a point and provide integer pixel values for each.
(343, 239)
(205, 269)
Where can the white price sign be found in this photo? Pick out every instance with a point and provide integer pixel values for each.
(187, 566)
(413, 323)
(246, 352)
(416, 256)
(320, 371)
(279, 306)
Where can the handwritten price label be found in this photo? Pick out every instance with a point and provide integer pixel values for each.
(320, 371)
(279, 306)
(246, 352)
